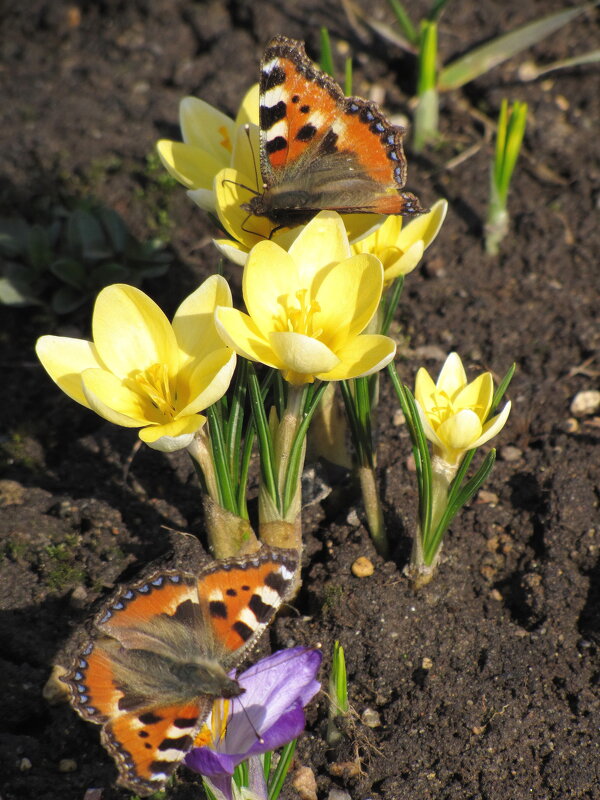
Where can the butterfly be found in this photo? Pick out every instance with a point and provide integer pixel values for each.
(159, 652)
(320, 149)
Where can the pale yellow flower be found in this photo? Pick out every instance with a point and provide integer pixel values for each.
(400, 247)
(454, 412)
(208, 145)
(141, 371)
(308, 307)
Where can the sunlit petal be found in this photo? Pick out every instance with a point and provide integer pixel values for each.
(425, 227)
(302, 354)
(130, 331)
(248, 110)
(210, 380)
(233, 190)
(193, 322)
(361, 356)
(111, 399)
(189, 165)
(348, 296)
(64, 359)
(207, 128)
(173, 436)
(236, 252)
(204, 199)
(321, 242)
(452, 376)
(477, 395)
(239, 332)
(270, 276)
(493, 426)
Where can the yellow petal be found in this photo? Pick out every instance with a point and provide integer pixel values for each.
(174, 436)
(248, 110)
(348, 296)
(207, 128)
(363, 355)
(131, 333)
(236, 253)
(204, 199)
(360, 225)
(402, 265)
(424, 227)
(246, 154)
(321, 242)
(194, 324)
(108, 397)
(302, 354)
(189, 165)
(270, 276)
(239, 332)
(209, 380)
(232, 192)
(424, 390)
(64, 359)
(460, 431)
(452, 376)
(477, 395)
(493, 426)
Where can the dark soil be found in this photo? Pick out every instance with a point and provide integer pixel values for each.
(486, 682)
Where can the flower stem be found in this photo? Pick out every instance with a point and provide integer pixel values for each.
(370, 494)
(228, 534)
(426, 550)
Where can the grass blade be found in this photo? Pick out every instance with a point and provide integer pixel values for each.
(488, 56)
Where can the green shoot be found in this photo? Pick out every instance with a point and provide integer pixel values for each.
(426, 115)
(338, 693)
(326, 61)
(509, 138)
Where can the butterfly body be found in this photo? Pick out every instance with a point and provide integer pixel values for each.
(320, 149)
(159, 653)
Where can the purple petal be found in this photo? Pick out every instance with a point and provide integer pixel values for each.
(288, 727)
(275, 684)
(209, 762)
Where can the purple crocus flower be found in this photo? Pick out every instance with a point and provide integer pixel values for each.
(268, 715)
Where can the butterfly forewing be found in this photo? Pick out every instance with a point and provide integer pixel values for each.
(321, 150)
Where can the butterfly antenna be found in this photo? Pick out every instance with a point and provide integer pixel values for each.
(258, 182)
(259, 738)
(241, 185)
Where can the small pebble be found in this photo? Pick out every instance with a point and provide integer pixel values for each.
(510, 453)
(487, 498)
(398, 418)
(353, 519)
(305, 783)
(572, 425)
(93, 794)
(25, 765)
(67, 765)
(426, 663)
(496, 595)
(345, 769)
(586, 403)
(338, 794)
(362, 567)
(370, 718)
